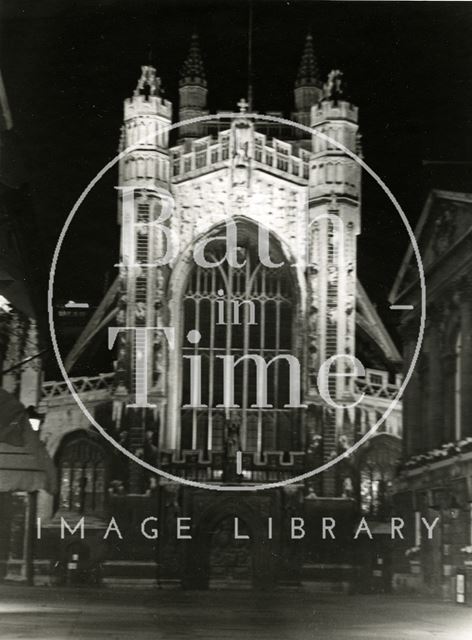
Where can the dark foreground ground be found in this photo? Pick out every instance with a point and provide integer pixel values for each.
(53, 614)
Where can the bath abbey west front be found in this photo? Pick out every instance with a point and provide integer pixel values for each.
(299, 301)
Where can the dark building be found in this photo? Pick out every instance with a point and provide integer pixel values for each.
(24, 465)
(436, 474)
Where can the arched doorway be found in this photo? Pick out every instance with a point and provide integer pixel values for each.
(230, 560)
(378, 461)
(214, 557)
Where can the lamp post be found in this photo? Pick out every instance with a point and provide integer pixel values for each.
(28, 548)
(35, 420)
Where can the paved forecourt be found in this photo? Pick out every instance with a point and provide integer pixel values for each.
(54, 614)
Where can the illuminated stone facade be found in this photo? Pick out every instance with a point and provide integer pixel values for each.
(302, 193)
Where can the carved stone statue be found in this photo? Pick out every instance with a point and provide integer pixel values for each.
(242, 139)
(232, 442)
(348, 487)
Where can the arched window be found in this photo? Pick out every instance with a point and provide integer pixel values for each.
(132, 168)
(239, 311)
(331, 134)
(330, 172)
(150, 165)
(142, 132)
(377, 470)
(458, 386)
(81, 463)
(141, 168)
(339, 172)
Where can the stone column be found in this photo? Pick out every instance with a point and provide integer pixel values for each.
(411, 397)
(465, 304)
(435, 382)
(448, 370)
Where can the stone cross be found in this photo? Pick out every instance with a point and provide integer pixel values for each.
(243, 105)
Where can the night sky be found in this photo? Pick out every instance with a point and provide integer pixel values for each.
(67, 67)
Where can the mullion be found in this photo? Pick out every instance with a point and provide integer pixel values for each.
(265, 290)
(229, 295)
(196, 351)
(262, 295)
(211, 362)
(245, 296)
(277, 352)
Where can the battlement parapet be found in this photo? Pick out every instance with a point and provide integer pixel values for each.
(333, 110)
(151, 105)
(207, 154)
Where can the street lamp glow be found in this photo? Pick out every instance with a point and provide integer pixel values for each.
(35, 423)
(4, 304)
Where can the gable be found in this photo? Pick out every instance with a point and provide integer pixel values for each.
(445, 221)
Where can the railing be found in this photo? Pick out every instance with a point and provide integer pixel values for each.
(207, 155)
(104, 381)
(375, 390)
(83, 384)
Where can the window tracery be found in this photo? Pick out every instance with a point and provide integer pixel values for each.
(239, 311)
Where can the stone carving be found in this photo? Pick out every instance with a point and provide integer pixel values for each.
(348, 487)
(159, 289)
(232, 441)
(350, 304)
(311, 493)
(332, 274)
(313, 343)
(240, 179)
(159, 362)
(140, 311)
(444, 229)
(243, 133)
(268, 201)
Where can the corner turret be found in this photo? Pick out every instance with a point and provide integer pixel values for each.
(147, 116)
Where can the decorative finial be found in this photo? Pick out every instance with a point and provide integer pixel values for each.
(148, 83)
(335, 88)
(243, 105)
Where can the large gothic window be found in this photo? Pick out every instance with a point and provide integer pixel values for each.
(82, 476)
(239, 311)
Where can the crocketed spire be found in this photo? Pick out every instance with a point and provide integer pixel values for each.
(192, 71)
(308, 73)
